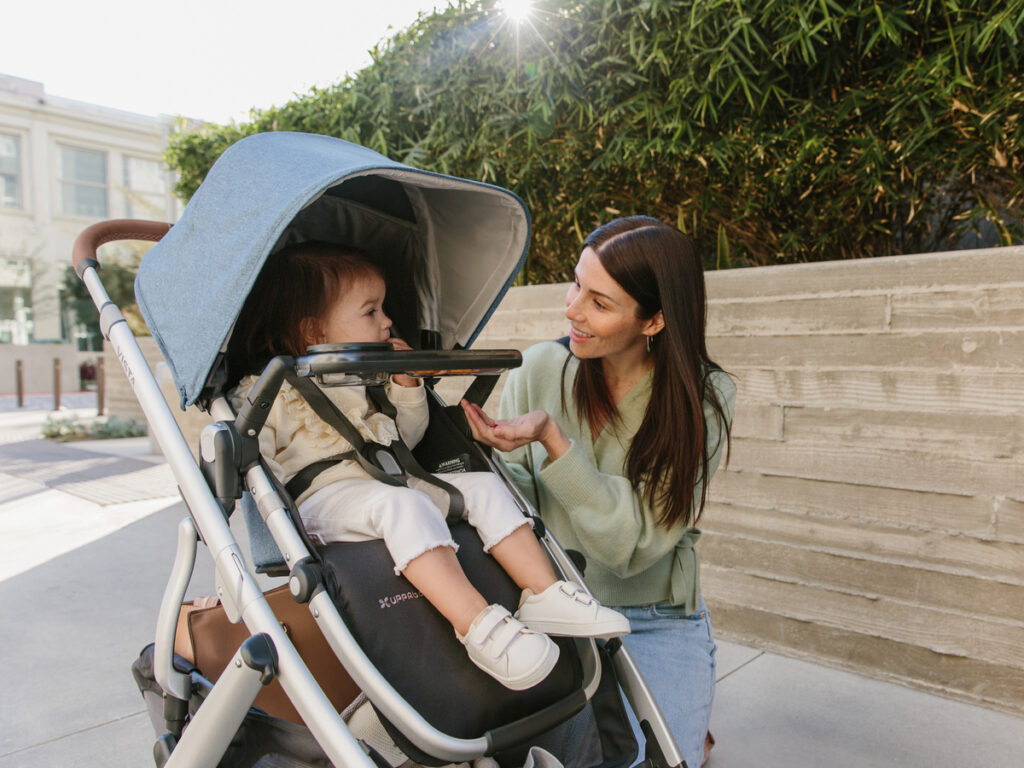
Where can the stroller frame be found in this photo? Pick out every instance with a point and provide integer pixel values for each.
(268, 652)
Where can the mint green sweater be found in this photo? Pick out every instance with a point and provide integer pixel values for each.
(584, 498)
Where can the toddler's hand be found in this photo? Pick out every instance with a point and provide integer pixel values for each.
(397, 343)
(400, 378)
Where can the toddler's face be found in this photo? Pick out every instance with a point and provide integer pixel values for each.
(357, 315)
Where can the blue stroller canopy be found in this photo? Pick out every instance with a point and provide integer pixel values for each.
(458, 243)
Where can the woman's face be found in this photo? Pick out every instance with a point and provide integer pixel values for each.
(602, 316)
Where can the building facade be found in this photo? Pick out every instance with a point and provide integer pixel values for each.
(64, 165)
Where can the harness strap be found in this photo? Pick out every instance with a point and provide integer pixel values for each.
(304, 478)
(406, 471)
(428, 482)
(480, 389)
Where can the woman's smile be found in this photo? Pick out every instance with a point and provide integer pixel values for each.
(579, 336)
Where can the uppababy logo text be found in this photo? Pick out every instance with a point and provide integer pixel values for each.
(392, 600)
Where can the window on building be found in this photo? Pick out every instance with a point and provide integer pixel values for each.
(10, 171)
(83, 182)
(144, 189)
(15, 301)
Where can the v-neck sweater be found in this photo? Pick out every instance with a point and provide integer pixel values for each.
(584, 497)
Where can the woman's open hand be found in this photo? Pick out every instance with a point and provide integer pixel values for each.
(509, 434)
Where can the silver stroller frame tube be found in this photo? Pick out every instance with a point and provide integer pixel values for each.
(237, 586)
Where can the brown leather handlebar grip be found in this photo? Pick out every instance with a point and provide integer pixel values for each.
(95, 235)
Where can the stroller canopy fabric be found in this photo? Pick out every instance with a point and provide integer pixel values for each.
(454, 245)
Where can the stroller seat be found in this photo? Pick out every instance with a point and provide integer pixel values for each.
(415, 648)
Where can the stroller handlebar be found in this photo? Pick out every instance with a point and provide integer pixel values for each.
(83, 254)
(362, 364)
(418, 362)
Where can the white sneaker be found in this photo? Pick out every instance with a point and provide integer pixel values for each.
(506, 650)
(564, 609)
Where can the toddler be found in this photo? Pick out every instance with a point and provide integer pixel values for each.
(321, 293)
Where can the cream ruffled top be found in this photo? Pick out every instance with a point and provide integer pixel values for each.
(295, 437)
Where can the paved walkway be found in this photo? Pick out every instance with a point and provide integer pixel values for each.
(44, 402)
(87, 534)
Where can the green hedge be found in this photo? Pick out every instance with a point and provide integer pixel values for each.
(773, 131)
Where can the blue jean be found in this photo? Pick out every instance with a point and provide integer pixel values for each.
(676, 655)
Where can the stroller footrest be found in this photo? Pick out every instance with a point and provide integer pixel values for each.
(507, 736)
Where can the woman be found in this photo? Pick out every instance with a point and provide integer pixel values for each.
(617, 459)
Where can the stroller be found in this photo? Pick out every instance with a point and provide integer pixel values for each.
(457, 246)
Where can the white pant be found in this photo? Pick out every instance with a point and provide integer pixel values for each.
(407, 520)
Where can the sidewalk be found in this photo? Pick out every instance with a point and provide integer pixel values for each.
(44, 402)
(87, 536)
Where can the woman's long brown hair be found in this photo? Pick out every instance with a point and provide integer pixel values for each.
(668, 456)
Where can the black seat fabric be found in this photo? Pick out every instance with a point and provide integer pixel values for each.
(415, 648)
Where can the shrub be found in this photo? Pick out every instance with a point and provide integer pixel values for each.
(772, 131)
(65, 429)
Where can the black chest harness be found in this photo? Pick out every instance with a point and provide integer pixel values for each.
(392, 464)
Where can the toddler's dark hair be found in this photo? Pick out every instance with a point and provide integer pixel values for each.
(299, 283)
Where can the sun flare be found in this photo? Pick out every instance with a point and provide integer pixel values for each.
(517, 10)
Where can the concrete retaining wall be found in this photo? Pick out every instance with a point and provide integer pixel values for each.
(872, 513)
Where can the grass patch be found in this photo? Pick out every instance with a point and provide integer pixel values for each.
(65, 429)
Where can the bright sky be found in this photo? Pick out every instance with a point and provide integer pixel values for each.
(206, 59)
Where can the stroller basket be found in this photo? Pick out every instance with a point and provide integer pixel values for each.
(460, 244)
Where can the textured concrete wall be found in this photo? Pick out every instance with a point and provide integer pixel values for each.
(872, 513)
